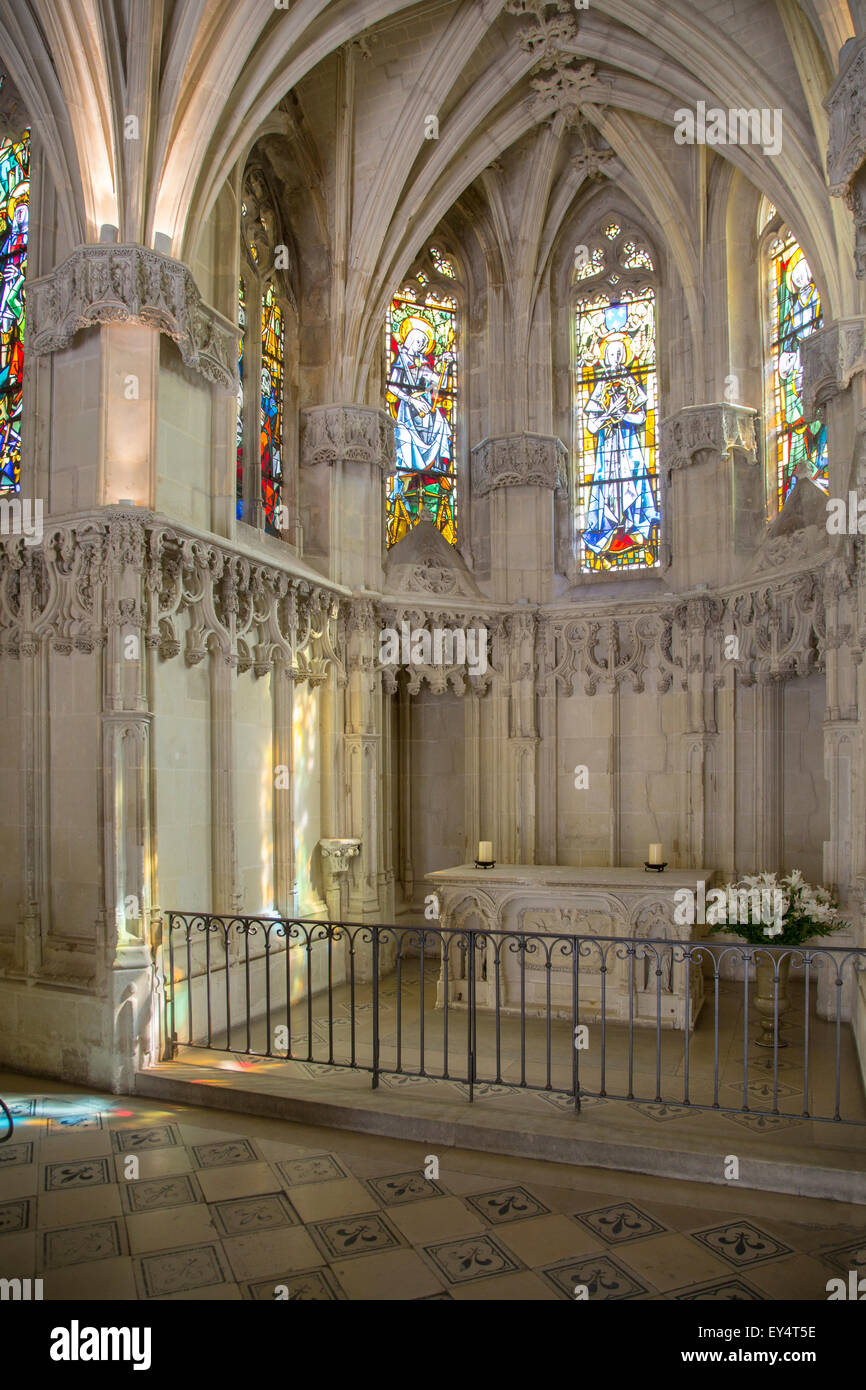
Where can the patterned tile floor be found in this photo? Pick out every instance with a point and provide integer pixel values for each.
(105, 1197)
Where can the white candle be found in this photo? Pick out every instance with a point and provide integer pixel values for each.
(655, 854)
(485, 851)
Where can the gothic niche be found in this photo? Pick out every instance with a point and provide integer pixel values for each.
(266, 241)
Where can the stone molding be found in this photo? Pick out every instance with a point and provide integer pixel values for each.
(831, 358)
(347, 434)
(116, 284)
(125, 568)
(718, 428)
(519, 460)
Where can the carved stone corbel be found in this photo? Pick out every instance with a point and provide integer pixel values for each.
(831, 358)
(519, 460)
(347, 434)
(717, 429)
(115, 284)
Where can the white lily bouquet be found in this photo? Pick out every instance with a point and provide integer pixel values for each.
(763, 908)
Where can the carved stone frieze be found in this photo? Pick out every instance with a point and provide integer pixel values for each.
(831, 358)
(347, 434)
(112, 284)
(183, 593)
(719, 429)
(779, 627)
(519, 460)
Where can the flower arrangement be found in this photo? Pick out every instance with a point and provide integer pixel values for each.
(776, 911)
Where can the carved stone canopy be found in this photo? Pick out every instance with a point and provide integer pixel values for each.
(113, 284)
(424, 562)
(718, 429)
(519, 460)
(798, 532)
(347, 434)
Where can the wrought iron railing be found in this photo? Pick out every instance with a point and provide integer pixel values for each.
(635, 1019)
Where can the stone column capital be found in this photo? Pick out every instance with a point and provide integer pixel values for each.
(99, 284)
(831, 358)
(519, 460)
(348, 434)
(718, 428)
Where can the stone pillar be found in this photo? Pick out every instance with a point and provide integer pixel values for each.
(523, 739)
(34, 729)
(404, 789)
(769, 770)
(713, 494)
(283, 693)
(699, 618)
(521, 474)
(472, 754)
(345, 452)
(134, 294)
(363, 740)
(225, 891)
(126, 780)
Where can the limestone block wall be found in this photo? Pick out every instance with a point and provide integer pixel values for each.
(75, 800)
(438, 774)
(184, 453)
(806, 791)
(254, 789)
(13, 827)
(181, 766)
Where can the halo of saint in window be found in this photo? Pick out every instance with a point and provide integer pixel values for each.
(14, 212)
(798, 445)
(421, 391)
(616, 420)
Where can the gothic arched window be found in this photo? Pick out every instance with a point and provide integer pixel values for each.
(263, 300)
(792, 312)
(421, 381)
(14, 211)
(616, 404)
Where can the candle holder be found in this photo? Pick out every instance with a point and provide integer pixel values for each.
(655, 868)
(485, 863)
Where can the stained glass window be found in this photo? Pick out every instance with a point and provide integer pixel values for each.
(242, 328)
(592, 266)
(14, 208)
(442, 265)
(795, 312)
(615, 431)
(421, 375)
(635, 257)
(273, 336)
(612, 230)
